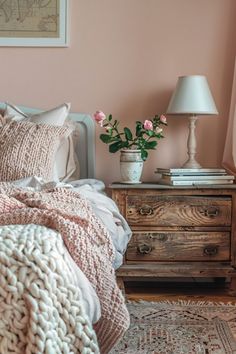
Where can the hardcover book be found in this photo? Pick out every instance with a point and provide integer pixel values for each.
(196, 178)
(191, 171)
(195, 182)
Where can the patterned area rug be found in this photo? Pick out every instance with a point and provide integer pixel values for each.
(181, 327)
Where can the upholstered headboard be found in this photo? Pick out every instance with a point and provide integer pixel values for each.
(85, 146)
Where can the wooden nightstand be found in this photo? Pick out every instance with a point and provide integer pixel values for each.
(185, 231)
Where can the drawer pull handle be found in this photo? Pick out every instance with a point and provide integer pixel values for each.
(146, 210)
(162, 237)
(211, 212)
(210, 250)
(144, 248)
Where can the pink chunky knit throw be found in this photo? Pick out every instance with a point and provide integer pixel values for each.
(87, 240)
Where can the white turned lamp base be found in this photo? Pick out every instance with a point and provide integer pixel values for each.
(191, 164)
(192, 145)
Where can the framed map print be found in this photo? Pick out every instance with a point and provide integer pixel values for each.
(34, 23)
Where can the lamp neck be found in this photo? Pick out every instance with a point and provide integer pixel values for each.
(192, 144)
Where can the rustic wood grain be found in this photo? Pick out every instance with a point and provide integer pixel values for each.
(179, 231)
(173, 290)
(233, 232)
(179, 246)
(176, 269)
(178, 210)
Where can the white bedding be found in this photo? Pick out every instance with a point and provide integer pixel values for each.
(106, 209)
(108, 212)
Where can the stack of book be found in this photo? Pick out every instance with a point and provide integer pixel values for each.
(194, 176)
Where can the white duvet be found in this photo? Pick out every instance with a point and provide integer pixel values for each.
(107, 211)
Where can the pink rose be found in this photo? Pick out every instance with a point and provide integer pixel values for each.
(99, 117)
(148, 125)
(163, 119)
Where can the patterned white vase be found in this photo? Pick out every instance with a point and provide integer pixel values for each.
(131, 166)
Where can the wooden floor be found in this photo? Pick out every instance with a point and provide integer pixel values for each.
(193, 289)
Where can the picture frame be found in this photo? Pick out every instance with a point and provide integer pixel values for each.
(42, 23)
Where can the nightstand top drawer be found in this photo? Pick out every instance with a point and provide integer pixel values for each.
(152, 210)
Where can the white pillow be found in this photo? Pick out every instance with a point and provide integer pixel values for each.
(65, 164)
(55, 116)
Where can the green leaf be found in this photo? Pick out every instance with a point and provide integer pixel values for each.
(109, 117)
(144, 154)
(124, 144)
(115, 147)
(150, 144)
(128, 134)
(150, 132)
(138, 129)
(105, 138)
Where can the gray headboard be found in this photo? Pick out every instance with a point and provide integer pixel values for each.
(85, 147)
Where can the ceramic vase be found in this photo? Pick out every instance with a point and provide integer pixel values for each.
(131, 166)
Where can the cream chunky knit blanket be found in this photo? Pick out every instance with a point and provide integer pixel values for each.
(89, 245)
(40, 307)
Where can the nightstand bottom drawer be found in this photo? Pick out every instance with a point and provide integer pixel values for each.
(179, 246)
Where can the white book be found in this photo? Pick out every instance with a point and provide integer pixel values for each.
(190, 171)
(195, 183)
(197, 178)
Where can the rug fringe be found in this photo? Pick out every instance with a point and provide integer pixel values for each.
(184, 303)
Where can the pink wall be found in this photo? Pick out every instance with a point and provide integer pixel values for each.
(124, 58)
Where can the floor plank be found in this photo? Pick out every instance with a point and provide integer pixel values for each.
(196, 290)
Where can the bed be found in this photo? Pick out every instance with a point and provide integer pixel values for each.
(61, 237)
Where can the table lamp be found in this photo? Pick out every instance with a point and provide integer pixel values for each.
(192, 96)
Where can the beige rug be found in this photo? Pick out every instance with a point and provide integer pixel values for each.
(180, 328)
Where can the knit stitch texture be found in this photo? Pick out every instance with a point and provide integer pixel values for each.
(40, 305)
(87, 240)
(28, 149)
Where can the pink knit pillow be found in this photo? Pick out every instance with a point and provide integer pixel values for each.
(28, 149)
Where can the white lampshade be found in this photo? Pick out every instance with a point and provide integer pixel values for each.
(192, 96)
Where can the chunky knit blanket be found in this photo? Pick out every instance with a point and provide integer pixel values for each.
(40, 306)
(89, 245)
